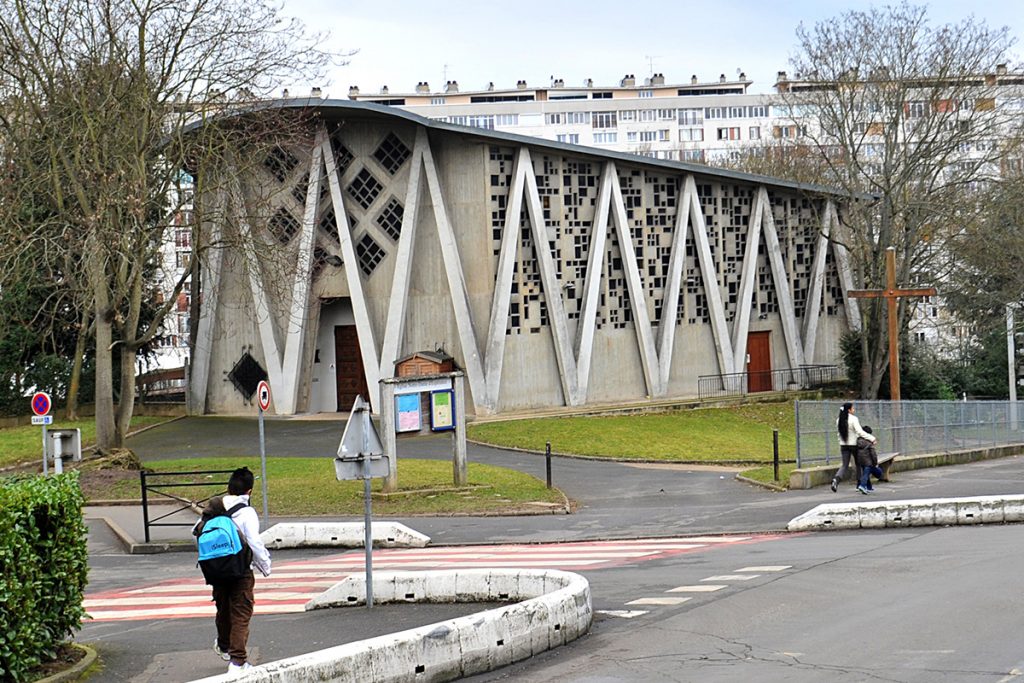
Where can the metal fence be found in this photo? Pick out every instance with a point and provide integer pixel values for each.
(790, 379)
(909, 427)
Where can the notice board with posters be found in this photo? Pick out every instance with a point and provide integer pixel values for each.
(442, 410)
(407, 413)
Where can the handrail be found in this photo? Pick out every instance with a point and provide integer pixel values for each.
(787, 379)
(156, 488)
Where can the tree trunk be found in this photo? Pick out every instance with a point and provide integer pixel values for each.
(76, 369)
(106, 434)
(126, 405)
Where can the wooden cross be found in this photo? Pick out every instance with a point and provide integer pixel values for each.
(891, 294)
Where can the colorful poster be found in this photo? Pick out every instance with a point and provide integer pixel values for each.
(407, 412)
(442, 414)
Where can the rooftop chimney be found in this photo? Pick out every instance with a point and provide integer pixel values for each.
(628, 81)
(588, 83)
(521, 84)
(451, 86)
(743, 76)
(721, 79)
(1001, 69)
(658, 79)
(383, 90)
(781, 76)
(315, 92)
(353, 92)
(490, 86)
(558, 83)
(422, 87)
(284, 94)
(693, 79)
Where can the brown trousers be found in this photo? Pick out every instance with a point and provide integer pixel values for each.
(234, 610)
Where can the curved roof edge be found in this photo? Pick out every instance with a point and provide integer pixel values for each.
(336, 105)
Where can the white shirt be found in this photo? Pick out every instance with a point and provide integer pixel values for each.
(249, 526)
(853, 431)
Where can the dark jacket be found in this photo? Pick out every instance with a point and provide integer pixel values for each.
(867, 456)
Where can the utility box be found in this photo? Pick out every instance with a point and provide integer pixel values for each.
(65, 444)
(423, 363)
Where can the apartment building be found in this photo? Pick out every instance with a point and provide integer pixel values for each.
(698, 121)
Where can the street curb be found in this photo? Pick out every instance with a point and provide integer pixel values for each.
(341, 535)
(763, 484)
(551, 608)
(134, 548)
(627, 461)
(911, 513)
(75, 671)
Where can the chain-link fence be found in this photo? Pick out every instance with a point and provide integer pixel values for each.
(909, 427)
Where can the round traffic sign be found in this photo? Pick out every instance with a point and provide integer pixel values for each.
(40, 403)
(263, 394)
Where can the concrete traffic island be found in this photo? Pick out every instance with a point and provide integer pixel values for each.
(341, 535)
(550, 608)
(907, 513)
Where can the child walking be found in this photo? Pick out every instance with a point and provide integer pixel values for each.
(867, 461)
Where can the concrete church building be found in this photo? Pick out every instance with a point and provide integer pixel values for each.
(555, 275)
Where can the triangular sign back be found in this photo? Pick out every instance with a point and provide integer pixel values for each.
(360, 436)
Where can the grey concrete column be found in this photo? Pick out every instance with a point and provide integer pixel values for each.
(387, 433)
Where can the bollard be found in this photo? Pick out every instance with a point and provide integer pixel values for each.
(547, 462)
(775, 459)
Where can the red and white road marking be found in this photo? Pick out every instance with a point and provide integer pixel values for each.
(293, 584)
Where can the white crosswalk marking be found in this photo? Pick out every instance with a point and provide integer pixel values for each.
(732, 577)
(705, 588)
(622, 613)
(658, 601)
(767, 568)
(295, 583)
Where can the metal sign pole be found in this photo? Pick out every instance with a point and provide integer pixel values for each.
(46, 466)
(263, 472)
(367, 529)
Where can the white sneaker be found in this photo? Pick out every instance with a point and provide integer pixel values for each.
(223, 655)
(238, 669)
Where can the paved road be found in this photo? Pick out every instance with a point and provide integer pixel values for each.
(908, 605)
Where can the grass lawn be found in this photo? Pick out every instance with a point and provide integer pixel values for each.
(25, 444)
(307, 486)
(739, 434)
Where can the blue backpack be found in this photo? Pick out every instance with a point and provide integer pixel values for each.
(223, 555)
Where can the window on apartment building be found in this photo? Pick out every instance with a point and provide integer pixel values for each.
(631, 136)
(985, 104)
(604, 119)
(437, 100)
(606, 138)
(728, 134)
(714, 112)
(663, 135)
(181, 258)
(669, 154)
(691, 134)
(627, 115)
(692, 155)
(691, 117)
(784, 132)
(183, 238)
(666, 114)
(577, 117)
(919, 337)
(571, 138)
(506, 119)
(601, 96)
(758, 111)
(736, 112)
(645, 93)
(647, 115)
(554, 119)
(755, 132)
(648, 136)
(915, 110)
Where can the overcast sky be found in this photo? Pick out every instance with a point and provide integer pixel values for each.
(399, 43)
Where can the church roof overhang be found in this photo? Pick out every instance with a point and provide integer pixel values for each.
(330, 109)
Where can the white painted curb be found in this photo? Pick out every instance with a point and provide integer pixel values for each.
(341, 535)
(556, 609)
(906, 513)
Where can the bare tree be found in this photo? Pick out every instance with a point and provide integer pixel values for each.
(903, 111)
(110, 86)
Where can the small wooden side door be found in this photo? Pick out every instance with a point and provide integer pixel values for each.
(759, 362)
(348, 367)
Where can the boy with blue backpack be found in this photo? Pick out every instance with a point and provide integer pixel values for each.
(228, 536)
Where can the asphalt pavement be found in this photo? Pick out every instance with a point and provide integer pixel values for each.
(616, 501)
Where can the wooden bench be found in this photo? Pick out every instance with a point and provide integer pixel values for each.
(885, 461)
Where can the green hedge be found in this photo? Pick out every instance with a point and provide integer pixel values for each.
(43, 569)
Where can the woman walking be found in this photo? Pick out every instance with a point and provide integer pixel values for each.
(849, 430)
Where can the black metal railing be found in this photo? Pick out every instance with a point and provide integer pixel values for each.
(790, 379)
(185, 503)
